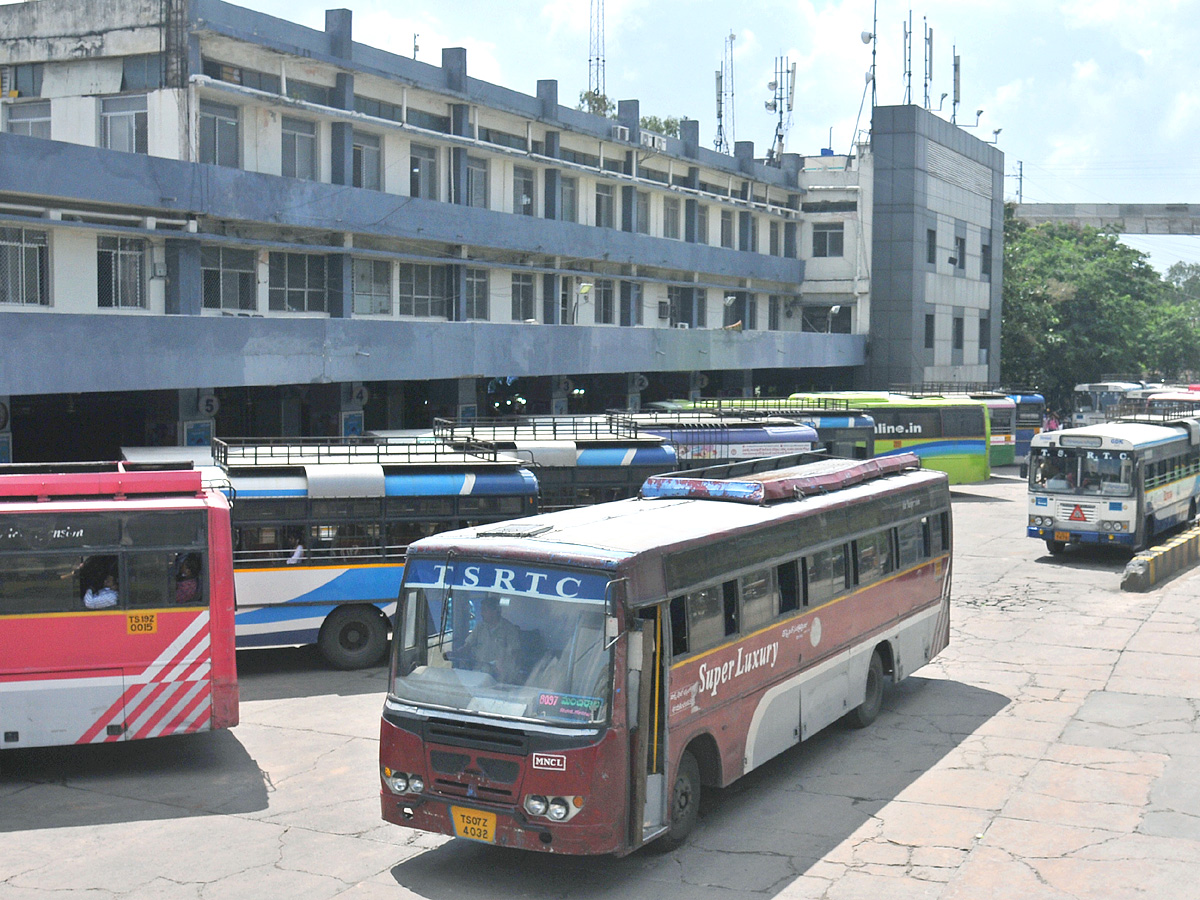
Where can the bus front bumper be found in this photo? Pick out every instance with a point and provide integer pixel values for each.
(1079, 537)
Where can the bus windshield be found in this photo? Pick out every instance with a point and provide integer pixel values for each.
(524, 642)
(1062, 471)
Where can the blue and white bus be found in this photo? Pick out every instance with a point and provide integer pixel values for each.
(578, 460)
(320, 530)
(704, 439)
(1031, 413)
(1120, 483)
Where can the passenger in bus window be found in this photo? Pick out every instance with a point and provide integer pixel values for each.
(105, 597)
(187, 583)
(297, 554)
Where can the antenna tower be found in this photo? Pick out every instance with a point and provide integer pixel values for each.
(928, 61)
(725, 135)
(957, 86)
(596, 50)
(783, 89)
(908, 36)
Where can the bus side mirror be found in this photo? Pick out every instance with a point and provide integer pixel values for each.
(612, 628)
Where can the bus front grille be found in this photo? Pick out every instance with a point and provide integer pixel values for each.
(477, 737)
(1076, 512)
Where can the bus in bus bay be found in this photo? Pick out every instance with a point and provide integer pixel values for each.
(572, 682)
(1121, 483)
(578, 460)
(116, 605)
(950, 434)
(1031, 413)
(320, 529)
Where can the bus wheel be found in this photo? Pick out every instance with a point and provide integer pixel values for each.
(868, 710)
(353, 637)
(1055, 547)
(685, 802)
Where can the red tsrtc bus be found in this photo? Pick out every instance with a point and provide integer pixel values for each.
(116, 605)
(571, 682)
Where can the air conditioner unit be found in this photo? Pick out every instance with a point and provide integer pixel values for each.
(682, 325)
(653, 141)
(620, 133)
(664, 309)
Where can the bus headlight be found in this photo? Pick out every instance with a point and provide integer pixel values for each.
(535, 805)
(416, 784)
(558, 809)
(1106, 526)
(397, 782)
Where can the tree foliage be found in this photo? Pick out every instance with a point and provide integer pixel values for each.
(668, 126)
(596, 103)
(1078, 304)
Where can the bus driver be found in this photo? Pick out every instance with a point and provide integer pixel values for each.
(492, 645)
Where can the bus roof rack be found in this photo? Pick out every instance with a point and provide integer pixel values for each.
(46, 481)
(775, 478)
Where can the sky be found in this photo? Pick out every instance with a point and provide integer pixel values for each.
(1091, 101)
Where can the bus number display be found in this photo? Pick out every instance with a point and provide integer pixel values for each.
(141, 623)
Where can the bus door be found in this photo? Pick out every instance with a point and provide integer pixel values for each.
(645, 711)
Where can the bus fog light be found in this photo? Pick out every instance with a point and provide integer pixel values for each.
(558, 809)
(535, 805)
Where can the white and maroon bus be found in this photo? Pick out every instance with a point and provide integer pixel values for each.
(654, 646)
(116, 605)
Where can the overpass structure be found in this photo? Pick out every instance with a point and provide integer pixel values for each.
(1123, 218)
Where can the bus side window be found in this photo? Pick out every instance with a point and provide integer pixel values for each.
(789, 586)
(758, 594)
(679, 636)
(704, 619)
(151, 580)
(730, 600)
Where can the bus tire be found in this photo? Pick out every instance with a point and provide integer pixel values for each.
(1055, 547)
(685, 802)
(868, 711)
(353, 637)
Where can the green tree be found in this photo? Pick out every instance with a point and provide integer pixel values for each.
(1079, 304)
(668, 126)
(596, 103)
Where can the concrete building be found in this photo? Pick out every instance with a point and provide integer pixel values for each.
(213, 221)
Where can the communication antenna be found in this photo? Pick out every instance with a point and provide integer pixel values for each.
(783, 93)
(908, 36)
(596, 51)
(725, 135)
(957, 87)
(928, 61)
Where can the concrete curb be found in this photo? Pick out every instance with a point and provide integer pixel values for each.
(1159, 563)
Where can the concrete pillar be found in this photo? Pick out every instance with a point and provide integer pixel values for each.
(184, 288)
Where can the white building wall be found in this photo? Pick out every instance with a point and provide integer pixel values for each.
(73, 271)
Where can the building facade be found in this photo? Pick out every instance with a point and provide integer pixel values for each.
(213, 221)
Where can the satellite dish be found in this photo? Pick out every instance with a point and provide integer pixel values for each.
(867, 37)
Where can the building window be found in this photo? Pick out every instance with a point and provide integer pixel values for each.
(960, 252)
(477, 182)
(372, 287)
(751, 323)
(121, 273)
(422, 291)
(701, 308)
(985, 336)
(367, 162)
(828, 238)
(636, 295)
(142, 72)
(123, 124)
(774, 303)
(31, 119)
(228, 278)
(605, 207)
(985, 256)
(776, 239)
(24, 267)
(523, 182)
(701, 224)
(475, 293)
(296, 282)
(727, 228)
(929, 330)
(602, 296)
(218, 134)
(958, 333)
(299, 149)
(642, 225)
(672, 219)
(423, 181)
(26, 79)
(752, 224)
(522, 297)
(931, 246)
(251, 78)
(569, 199)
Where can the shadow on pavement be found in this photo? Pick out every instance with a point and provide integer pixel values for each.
(282, 673)
(797, 807)
(162, 778)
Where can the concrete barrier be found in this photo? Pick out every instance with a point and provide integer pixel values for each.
(1159, 563)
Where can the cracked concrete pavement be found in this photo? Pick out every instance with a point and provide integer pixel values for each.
(1048, 754)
